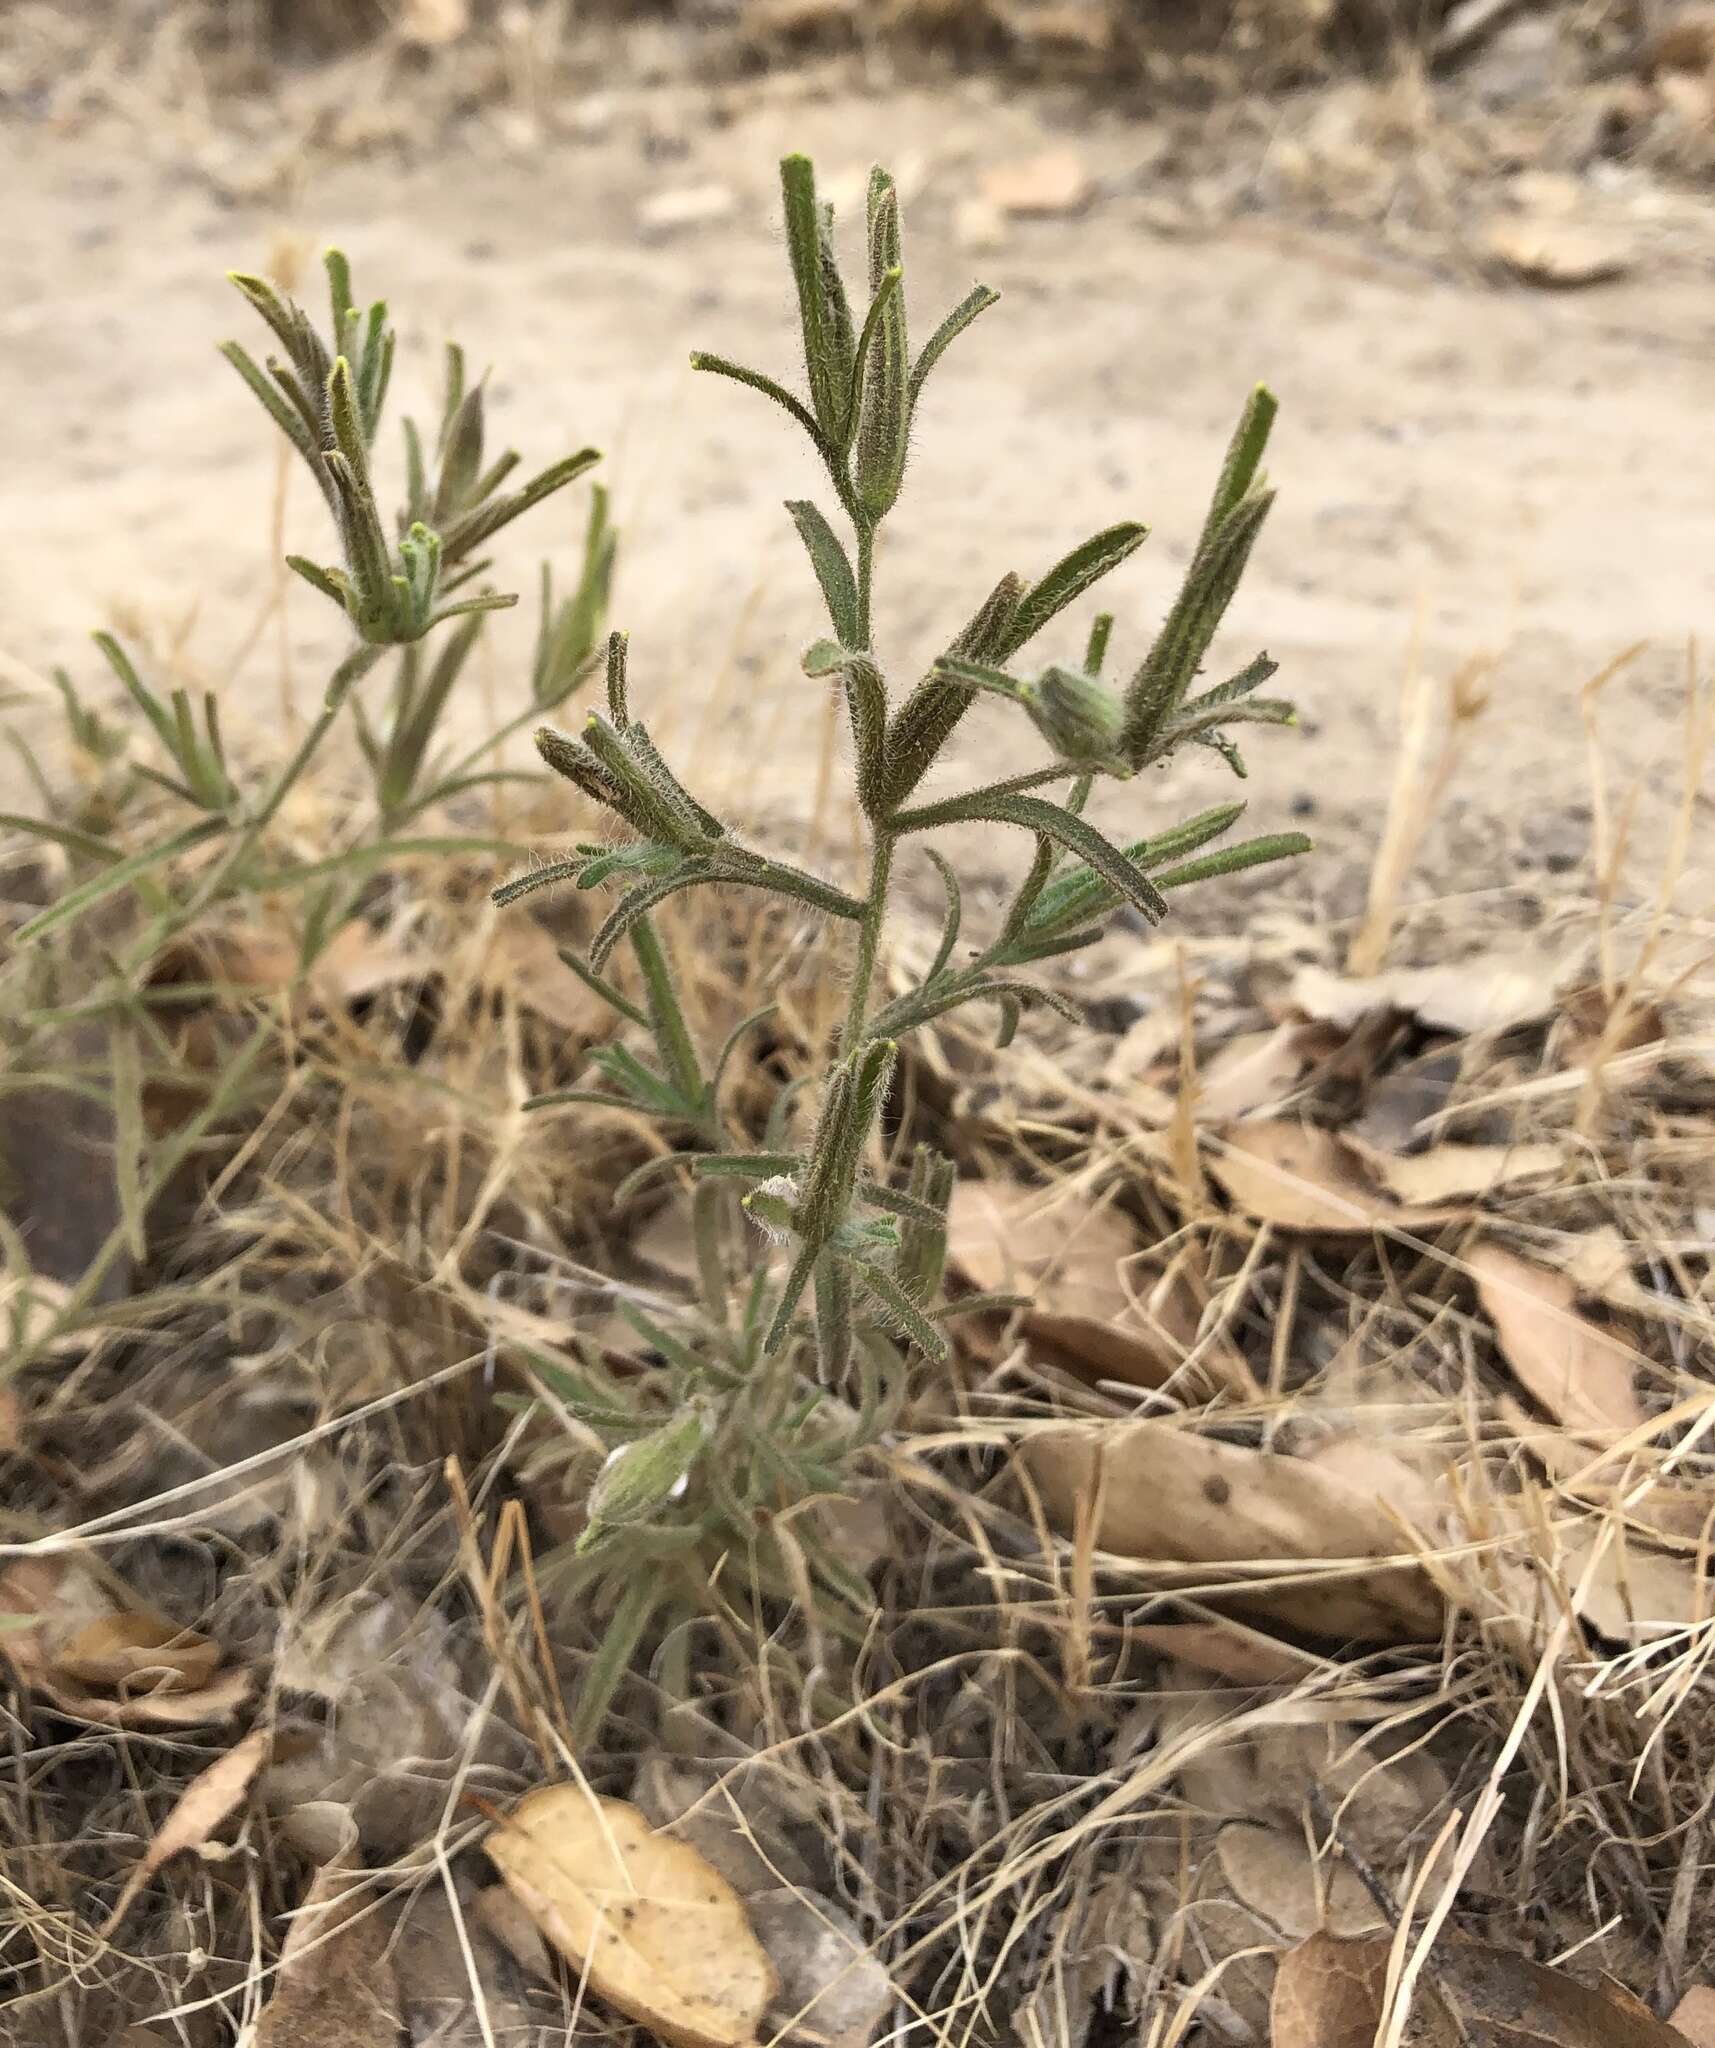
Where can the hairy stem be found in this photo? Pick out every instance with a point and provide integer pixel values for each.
(865, 577)
(869, 940)
(346, 677)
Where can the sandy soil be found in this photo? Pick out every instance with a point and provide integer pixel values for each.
(1488, 468)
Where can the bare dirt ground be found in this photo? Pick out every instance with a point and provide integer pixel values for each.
(1474, 466)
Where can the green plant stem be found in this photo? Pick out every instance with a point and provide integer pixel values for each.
(667, 1018)
(346, 677)
(865, 577)
(881, 843)
(869, 940)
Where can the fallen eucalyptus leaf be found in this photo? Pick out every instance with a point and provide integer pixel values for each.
(1694, 2016)
(1583, 1376)
(199, 1809)
(1070, 1258)
(93, 1650)
(1274, 1873)
(335, 1986)
(1054, 182)
(1330, 1994)
(661, 1934)
(1228, 1649)
(1168, 1494)
(1305, 1178)
(832, 1989)
(1560, 253)
(1490, 992)
(1462, 1173)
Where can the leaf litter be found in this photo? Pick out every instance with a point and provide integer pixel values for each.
(1425, 1470)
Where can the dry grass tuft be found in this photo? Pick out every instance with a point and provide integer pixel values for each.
(1273, 1573)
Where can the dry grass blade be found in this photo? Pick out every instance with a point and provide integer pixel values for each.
(1434, 739)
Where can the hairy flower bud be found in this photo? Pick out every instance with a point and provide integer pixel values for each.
(773, 1207)
(644, 1475)
(1078, 715)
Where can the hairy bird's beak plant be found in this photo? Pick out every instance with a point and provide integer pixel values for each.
(766, 1396)
(395, 589)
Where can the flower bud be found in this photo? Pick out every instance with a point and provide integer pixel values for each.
(773, 1207)
(644, 1475)
(1079, 716)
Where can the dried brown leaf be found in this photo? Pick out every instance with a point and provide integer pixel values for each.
(1273, 1872)
(1564, 254)
(199, 1809)
(661, 1934)
(511, 1925)
(1163, 1493)
(1491, 992)
(1330, 1994)
(1581, 1374)
(1304, 1178)
(1462, 1173)
(57, 1183)
(522, 962)
(1228, 1649)
(832, 1990)
(1071, 1259)
(1257, 1070)
(99, 1655)
(335, 1986)
(431, 24)
(1636, 1592)
(1694, 2016)
(137, 1652)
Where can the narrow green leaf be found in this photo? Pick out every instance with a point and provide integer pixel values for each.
(1231, 860)
(1079, 837)
(1243, 458)
(950, 921)
(924, 723)
(1171, 665)
(754, 380)
(67, 836)
(744, 1165)
(883, 437)
(640, 900)
(598, 985)
(120, 875)
(537, 878)
(832, 566)
(1251, 677)
(900, 1311)
(289, 421)
(1070, 577)
(803, 1267)
(975, 302)
(804, 247)
(1096, 649)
